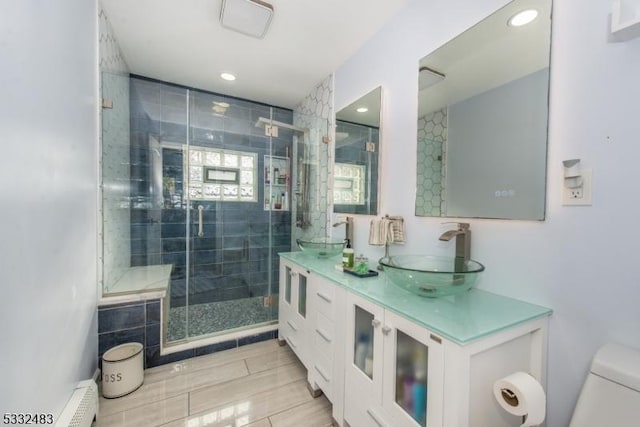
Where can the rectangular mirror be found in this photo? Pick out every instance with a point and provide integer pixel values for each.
(355, 188)
(482, 119)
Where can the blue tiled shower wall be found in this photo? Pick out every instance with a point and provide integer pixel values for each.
(237, 256)
(356, 154)
(140, 322)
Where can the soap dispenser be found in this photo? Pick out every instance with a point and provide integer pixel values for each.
(347, 256)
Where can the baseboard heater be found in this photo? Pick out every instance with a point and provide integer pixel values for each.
(82, 408)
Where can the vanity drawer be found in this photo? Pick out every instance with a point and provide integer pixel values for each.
(324, 336)
(323, 374)
(325, 299)
(292, 334)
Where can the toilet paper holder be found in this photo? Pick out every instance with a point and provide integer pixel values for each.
(509, 397)
(521, 394)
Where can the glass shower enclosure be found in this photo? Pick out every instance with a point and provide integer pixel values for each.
(200, 188)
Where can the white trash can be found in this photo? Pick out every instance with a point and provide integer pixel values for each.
(122, 370)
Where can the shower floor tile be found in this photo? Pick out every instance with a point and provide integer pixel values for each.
(209, 318)
(215, 390)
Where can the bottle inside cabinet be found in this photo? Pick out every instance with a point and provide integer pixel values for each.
(363, 351)
(412, 364)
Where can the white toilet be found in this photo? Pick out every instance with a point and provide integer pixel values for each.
(610, 396)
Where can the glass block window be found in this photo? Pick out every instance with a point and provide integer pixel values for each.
(214, 174)
(348, 185)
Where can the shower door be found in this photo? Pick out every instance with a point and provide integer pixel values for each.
(238, 219)
(204, 186)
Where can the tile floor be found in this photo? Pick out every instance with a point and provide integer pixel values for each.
(257, 385)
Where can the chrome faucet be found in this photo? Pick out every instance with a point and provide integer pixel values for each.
(348, 229)
(463, 243)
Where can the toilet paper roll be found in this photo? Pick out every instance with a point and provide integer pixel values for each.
(520, 394)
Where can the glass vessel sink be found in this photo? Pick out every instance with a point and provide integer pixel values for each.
(431, 276)
(322, 247)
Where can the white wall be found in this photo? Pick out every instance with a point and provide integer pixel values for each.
(48, 324)
(581, 260)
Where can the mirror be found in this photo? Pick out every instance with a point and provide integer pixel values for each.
(482, 119)
(355, 185)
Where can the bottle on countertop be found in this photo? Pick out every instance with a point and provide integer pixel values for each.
(347, 256)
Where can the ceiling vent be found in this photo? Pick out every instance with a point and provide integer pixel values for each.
(250, 17)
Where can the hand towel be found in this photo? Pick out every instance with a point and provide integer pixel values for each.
(397, 229)
(374, 233)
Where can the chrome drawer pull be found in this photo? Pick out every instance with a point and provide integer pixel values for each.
(322, 374)
(324, 297)
(386, 330)
(323, 335)
(375, 323)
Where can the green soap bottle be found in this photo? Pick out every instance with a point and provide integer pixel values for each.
(347, 256)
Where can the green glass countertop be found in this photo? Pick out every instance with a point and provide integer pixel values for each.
(460, 318)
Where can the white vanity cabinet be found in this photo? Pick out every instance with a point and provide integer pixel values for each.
(391, 364)
(327, 317)
(311, 321)
(403, 379)
(293, 317)
(386, 358)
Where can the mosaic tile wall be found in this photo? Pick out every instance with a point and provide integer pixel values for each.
(114, 140)
(315, 112)
(432, 137)
(111, 58)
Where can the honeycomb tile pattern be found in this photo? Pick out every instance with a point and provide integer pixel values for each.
(111, 58)
(432, 137)
(316, 113)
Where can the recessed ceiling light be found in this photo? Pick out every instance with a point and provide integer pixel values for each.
(362, 110)
(523, 18)
(228, 76)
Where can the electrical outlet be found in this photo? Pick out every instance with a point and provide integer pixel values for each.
(575, 193)
(579, 196)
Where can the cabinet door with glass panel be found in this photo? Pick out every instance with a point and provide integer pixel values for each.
(413, 375)
(292, 314)
(363, 364)
(394, 371)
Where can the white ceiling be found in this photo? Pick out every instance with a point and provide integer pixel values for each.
(182, 41)
(488, 55)
(371, 117)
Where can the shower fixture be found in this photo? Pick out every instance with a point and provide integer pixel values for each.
(249, 17)
(428, 77)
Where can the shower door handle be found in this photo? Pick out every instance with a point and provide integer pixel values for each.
(200, 232)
